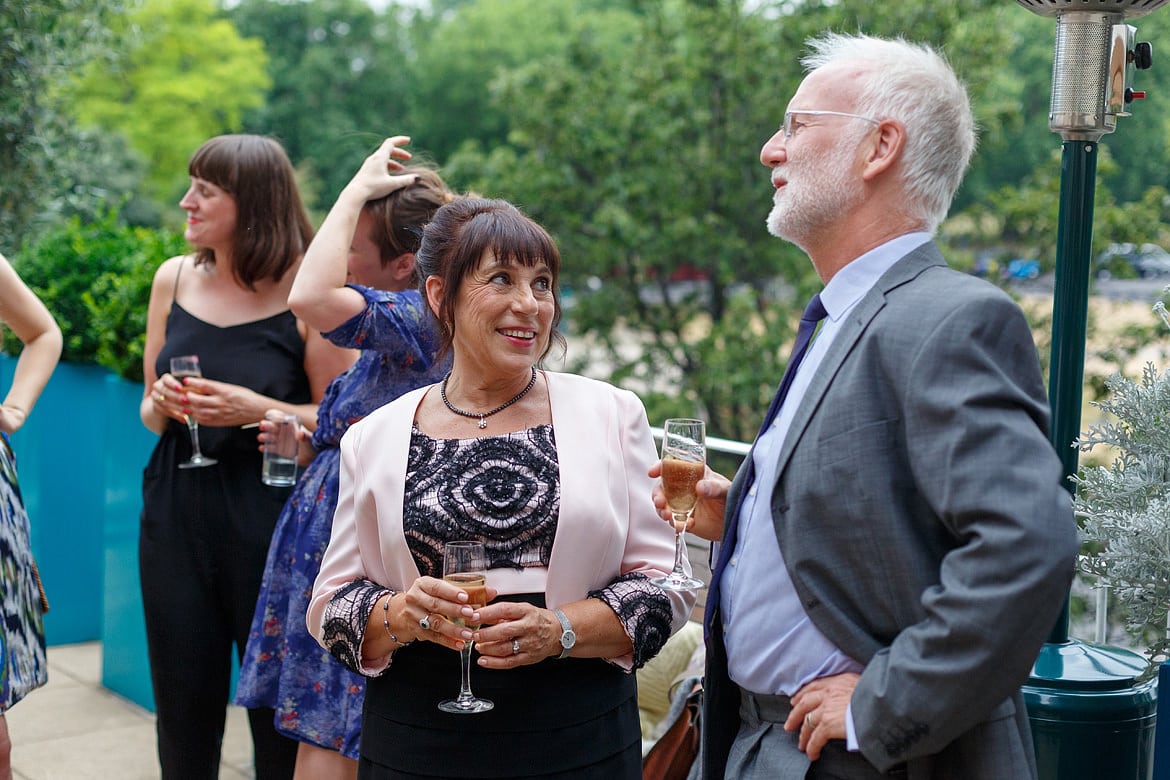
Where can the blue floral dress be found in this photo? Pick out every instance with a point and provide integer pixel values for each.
(317, 700)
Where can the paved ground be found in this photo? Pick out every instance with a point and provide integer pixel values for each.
(74, 729)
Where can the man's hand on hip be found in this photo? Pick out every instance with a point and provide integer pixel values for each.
(818, 711)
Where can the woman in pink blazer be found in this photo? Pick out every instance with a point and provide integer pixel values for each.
(549, 470)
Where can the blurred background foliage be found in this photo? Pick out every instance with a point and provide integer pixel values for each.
(630, 128)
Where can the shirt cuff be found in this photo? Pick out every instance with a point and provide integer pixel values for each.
(851, 743)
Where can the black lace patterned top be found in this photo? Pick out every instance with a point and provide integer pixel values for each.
(505, 491)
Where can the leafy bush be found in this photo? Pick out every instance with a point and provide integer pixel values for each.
(1124, 506)
(95, 278)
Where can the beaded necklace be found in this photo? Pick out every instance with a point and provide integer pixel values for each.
(484, 415)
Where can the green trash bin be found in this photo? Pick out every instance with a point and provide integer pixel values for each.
(1091, 718)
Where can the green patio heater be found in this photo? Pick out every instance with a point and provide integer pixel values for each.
(1091, 718)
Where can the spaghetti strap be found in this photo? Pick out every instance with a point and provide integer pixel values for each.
(175, 289)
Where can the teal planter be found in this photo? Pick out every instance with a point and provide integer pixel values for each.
(125, 665)
(84, 512)
(61, 466)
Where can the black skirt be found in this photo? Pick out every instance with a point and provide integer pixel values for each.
(571, 718)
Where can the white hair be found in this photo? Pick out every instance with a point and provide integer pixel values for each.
(914, 84)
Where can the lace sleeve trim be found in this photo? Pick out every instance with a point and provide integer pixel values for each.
(343, 627)
(643, 609)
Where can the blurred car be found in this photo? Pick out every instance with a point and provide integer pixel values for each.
(1129, 260)
(1022, 268)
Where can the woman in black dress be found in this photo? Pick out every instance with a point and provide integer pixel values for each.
(205, 531)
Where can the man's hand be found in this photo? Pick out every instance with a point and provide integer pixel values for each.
(707, 520)
(818, 710)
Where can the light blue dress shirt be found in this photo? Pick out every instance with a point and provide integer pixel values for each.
(772, 646)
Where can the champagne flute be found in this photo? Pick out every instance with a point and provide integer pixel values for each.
(183, 366)
(465, 565)
(684, 458)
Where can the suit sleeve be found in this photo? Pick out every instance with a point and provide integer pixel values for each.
(975, 419)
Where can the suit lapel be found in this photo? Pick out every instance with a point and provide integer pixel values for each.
(854, 325)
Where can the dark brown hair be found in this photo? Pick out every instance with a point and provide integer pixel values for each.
(272, 227)
(462, 232)
(399, 218)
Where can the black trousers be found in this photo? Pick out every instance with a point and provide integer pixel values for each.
(202, 550)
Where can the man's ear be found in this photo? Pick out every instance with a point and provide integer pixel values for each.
(885, 148)
(402, 267)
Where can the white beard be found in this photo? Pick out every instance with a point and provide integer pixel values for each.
(818, 191)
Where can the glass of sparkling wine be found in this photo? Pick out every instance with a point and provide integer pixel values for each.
(684, 459)
(465, 565)
(184, 366)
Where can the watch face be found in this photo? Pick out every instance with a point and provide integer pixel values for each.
(568, 635)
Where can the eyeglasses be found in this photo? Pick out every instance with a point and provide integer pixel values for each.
(789, 128)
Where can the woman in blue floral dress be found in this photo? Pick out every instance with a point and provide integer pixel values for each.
(23, 666)
(368, 239)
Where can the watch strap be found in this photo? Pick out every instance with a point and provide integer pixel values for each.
(568, 635)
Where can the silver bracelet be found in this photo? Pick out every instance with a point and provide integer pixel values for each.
(386, 619)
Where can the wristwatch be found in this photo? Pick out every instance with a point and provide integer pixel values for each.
(568, 635)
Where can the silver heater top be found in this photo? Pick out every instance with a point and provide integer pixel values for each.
(1130, 9)
(1094, 63)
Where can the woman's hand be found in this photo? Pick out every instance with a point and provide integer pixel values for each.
(516, 634)
(707, 519)
(215, 403)
(376, 178)
(433, 606)
(166, 393)
(12, 418)
(305, 450)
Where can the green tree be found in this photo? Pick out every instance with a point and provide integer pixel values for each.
(642, 159)
(180, 75)
(460, 53)
(340, 83)
(50, 168)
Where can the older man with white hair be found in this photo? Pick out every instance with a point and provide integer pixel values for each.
(898, 543)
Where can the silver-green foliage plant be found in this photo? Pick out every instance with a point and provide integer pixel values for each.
(1124, 507)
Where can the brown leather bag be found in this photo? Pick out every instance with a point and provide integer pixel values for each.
(673, 754)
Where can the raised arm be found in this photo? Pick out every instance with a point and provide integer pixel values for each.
(319, 296)
(38, 332)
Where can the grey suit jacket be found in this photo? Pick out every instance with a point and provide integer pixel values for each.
(922, 516)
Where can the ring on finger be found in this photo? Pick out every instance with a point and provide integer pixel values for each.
(808, 721)
(425, 623)
(160, 397)
(515, 646)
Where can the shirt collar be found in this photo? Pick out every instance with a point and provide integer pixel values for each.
(859, 276)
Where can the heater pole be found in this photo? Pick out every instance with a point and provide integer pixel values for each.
(1090, 715)
(1069, 313)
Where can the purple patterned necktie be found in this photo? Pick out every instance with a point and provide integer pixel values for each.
(813, 314)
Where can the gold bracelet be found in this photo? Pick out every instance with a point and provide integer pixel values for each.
(386, 619)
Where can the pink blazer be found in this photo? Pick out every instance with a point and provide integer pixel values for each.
(607, 524)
